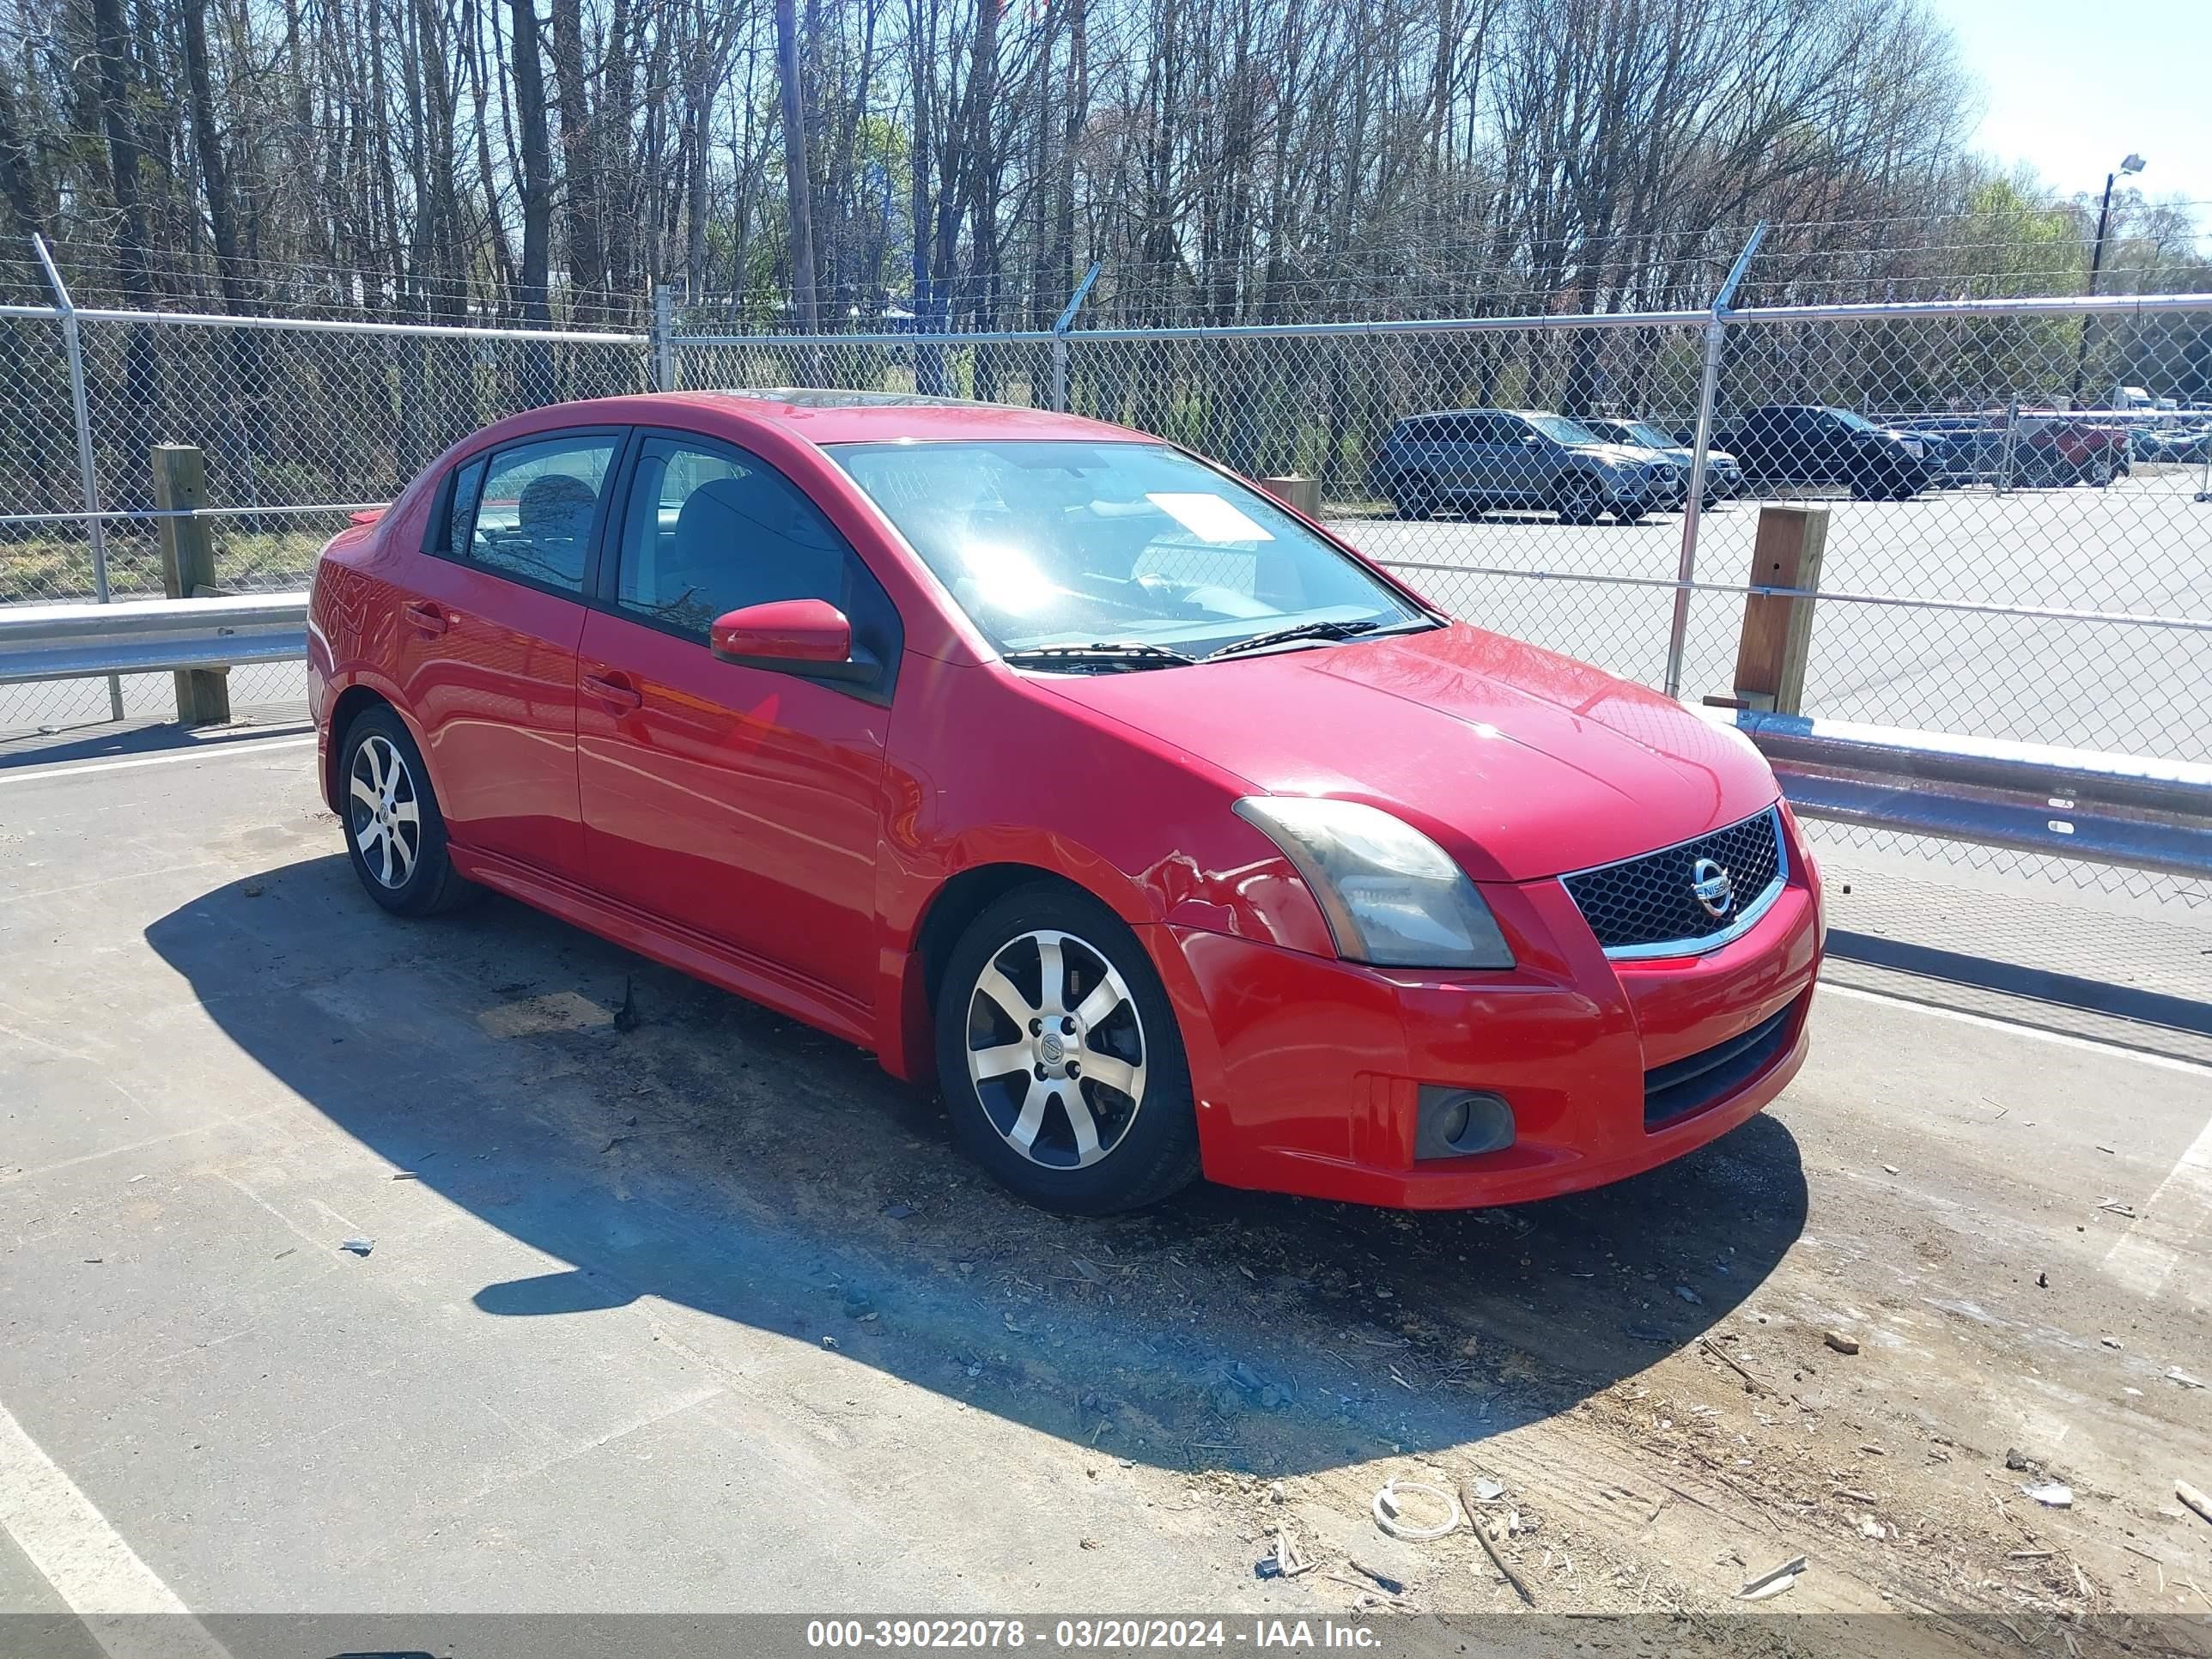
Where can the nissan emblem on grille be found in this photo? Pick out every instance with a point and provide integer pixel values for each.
(1684, 895)
(1711, 884)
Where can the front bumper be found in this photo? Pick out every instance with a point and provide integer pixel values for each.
(1307, 1070)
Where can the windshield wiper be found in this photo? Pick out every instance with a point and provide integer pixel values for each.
(1116, 654)
(1317, 631)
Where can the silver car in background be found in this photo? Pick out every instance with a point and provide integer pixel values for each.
(1724, 479)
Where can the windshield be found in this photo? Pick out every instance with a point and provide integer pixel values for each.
(1561, 430)
(1856, 423)
(1642, 431)
(1046, 543)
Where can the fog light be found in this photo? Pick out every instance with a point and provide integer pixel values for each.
(1460, 1123)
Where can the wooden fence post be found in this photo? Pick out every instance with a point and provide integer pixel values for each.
(187, 566)
(1777, 632)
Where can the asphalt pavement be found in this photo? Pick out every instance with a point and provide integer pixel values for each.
(706, 1315)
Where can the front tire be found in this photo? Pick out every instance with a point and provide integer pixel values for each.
(1579, 500)
(395, 835)
(1059, 1057)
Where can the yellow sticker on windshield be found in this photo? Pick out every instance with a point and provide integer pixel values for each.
(1209, 518)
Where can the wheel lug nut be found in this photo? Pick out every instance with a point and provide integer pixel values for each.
(1067, 1026)
(1036, 1027)
(1040, 1072)
(1074, 1070)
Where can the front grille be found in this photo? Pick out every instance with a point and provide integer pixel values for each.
(1649, 901)
(1705, 1078)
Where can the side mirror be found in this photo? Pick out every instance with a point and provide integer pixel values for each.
(810, 638)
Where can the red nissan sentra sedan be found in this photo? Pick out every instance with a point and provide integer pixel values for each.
(1169, 834)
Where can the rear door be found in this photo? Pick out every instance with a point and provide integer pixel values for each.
(1452, 467)
(739, 803)
(1427, 456)
(487, 653)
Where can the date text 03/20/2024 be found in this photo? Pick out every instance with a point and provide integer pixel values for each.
(1113, 1635)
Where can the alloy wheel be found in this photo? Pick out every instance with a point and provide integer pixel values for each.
(1581, 503)
(383, 814)
(1055, 1049)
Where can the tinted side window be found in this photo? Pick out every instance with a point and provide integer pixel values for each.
(709, 530)
(539, 500)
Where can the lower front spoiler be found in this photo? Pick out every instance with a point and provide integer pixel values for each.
(1306, 1072)
(1559, 1171)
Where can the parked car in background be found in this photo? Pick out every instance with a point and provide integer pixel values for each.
(1813, 444)
(2024, 449)
(1148, 822)
(2059, 447)
(1959, 449)
(1473, 460)
(2171, 443)
(1724, 479)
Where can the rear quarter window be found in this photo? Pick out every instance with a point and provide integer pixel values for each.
(455, 511)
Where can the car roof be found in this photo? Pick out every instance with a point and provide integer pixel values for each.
(815, 415)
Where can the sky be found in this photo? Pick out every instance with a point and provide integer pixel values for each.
(2070, 87)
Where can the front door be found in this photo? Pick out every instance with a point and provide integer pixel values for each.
(740, 803)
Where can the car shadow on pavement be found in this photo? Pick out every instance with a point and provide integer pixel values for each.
(718, 1156)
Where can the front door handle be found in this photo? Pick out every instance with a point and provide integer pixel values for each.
(615, 691)
(426, 616)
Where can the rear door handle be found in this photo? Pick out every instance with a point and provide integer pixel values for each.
(614, 690)
(428, 617)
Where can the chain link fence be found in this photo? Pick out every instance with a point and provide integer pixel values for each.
(2018, 532)
(301, 420)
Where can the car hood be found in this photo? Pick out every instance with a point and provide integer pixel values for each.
(1522, 763)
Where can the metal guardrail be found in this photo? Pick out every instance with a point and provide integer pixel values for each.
(82, 641)
(2124, 810)
(2133, 813)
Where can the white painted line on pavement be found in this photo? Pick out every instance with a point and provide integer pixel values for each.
(212, 751)
(2173, 1218)
(2169, 1222)
(2035, 1033)
(87, 1561)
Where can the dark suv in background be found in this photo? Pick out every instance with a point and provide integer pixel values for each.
(1474, 458)
(1808, 444)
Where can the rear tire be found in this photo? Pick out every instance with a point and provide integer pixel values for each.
(1414, 500)
(395, 835)
(1047, 980)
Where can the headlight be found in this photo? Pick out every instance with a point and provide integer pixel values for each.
(1393, 897)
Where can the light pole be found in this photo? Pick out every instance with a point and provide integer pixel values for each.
(2133, 163)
